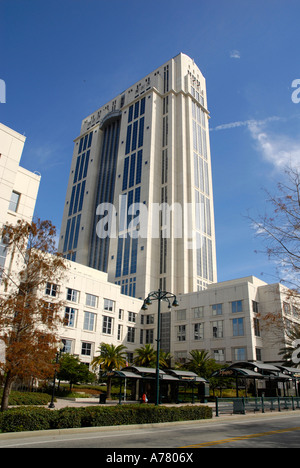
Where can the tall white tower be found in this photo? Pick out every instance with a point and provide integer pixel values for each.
(139, 202)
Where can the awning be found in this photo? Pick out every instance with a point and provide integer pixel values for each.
(142, 370)
(234, 372)
(122, 374)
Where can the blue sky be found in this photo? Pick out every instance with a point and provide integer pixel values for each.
(61, 60)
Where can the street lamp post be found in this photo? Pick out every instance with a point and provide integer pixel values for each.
(159, 296)
(58, 354)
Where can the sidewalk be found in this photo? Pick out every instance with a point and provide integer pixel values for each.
(83, 402)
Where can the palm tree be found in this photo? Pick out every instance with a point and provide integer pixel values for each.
(146, 356)
(199, 363)
(165, 360)
(111, 358)
(291, 351)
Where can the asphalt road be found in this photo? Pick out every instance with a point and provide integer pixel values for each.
(276, 430)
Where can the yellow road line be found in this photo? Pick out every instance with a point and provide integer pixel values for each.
(245, 437)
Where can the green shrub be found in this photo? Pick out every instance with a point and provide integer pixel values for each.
(32, 419)
(26, 419)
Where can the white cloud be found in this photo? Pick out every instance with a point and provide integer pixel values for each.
(279, 149)
(235, 54)
(244, 123)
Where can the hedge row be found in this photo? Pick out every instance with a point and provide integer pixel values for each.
(28, 398)
(34, 419)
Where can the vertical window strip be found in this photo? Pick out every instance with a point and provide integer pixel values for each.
(67, 235)
(139, 167)
(81, 196)
(141, 132)
(119, 257)
(128, 139)
(134, 135)
(71, 238)
(130, 114)
(72, 200)
(125, 173)
(143, 105)
(76, 169)
(132, 170)
(77, 232)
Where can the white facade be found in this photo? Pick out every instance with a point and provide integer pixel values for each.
(239, 320)
(149, 145)
(18, 186)
(95, 312)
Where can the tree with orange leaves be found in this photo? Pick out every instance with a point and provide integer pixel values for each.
(29, 323)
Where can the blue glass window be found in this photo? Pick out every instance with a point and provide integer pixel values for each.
(134, 136)
(67, 235)
(139, 167)
(134, 250)
(81, 196)
(126, 256)
(72, 201)
(132, 170)
(137, 195)
(125, 173)
(81, 166)
(143, 103)
(141, 132)
(77, 169)
(130, 113)
(86, 164)
(119, 257)
(129, 203)
(128, 139)
(80, 145)
(77, 198)
(136, 109)
(72, 234)
(90, 139)
(85, 142)
(77, 232)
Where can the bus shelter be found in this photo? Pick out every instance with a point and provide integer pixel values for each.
(175, 386)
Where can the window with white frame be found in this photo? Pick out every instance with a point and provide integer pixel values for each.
(109, 305)
(198, 312)
(217, 309)
(181, 333)
(107, 325)
(238, 327)
(51, 289)
(72, 295)
(217, 329)
(181, 314)
(239, 354)
(70, 317)
(89, 321)
(67, 346)
(236, 306)
(14, 202)
(91, 300)
(149, 336)
(130, 334)
(198, 331)
(131, 317)
(86, 348)
(219, 355)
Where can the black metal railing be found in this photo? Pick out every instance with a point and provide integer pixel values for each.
(259, 404)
